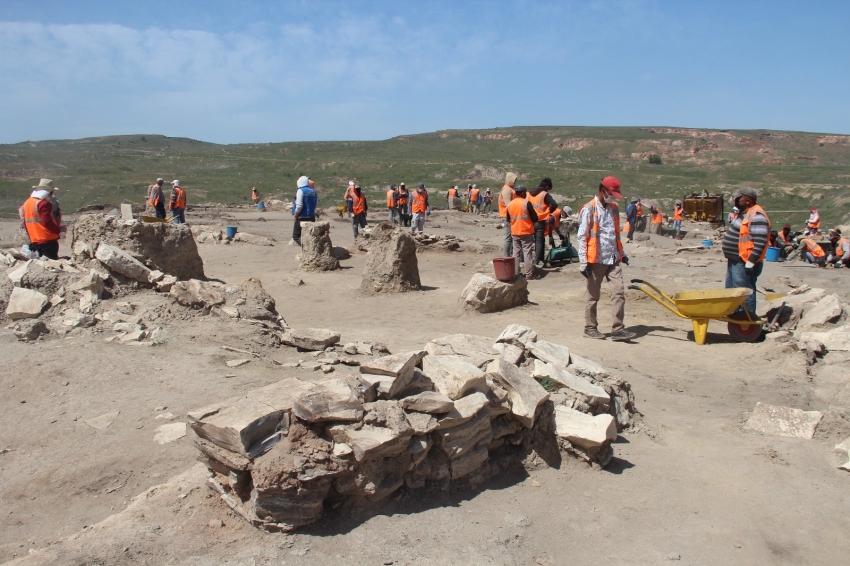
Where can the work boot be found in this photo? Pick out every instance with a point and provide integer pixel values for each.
(622, 336)
(593, 333)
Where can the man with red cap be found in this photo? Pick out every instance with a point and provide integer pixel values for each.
(600, 253)
(813, 223)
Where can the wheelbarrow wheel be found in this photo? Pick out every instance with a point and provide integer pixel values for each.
(744, 332)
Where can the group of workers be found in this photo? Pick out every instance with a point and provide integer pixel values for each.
(636, 219)
(476, 201)
(177, 202)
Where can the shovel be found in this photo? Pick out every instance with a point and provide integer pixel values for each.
(772, 296)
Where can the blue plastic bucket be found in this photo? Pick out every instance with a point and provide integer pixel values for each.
(231, 232)
(261, 206)
(772, 254)
(707, 243)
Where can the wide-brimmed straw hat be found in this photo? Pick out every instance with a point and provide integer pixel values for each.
(46, 184)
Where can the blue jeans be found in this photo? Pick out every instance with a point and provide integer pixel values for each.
(178, 215)
(677, 226)
(737, 276)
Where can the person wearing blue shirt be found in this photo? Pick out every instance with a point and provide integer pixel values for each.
(631, 216)
(304, 208)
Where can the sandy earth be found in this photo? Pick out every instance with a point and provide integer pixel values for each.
(691, 485)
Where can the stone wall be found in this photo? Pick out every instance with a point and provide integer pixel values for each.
(453, 414)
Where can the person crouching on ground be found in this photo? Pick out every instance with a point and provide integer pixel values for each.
(600, 253)
(521, 217)
(304, 207)
(811, 252)
(840, 255)
(358, 210)
(744, 246)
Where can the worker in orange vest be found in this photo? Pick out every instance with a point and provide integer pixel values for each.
(678, 216)
(486, 202)
(656, 219)
(474, 200)
(255, 195)
(640, 218)
(156, 198)
(178, 203)
(544, 205)
(840, 255)
(453, 198)
(811, 252)
(600, 253)
(521, 216)
(358, 210)
(505, 198)
(813, 223)
(40, 223)
(419, 208)
(347, 196)
(745, 245)
(392, 205)
(403, 199)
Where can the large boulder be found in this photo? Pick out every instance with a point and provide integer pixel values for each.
(316, 247)
(162, 246)
(391, 266)
(486, 294)
(827, 310)
(119, 261)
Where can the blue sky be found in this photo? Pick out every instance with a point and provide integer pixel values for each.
(233, 72)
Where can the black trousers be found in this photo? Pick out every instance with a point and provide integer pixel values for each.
(50, 250)
(631, 234)
(539, 241)
(296, 228)
(160, 210)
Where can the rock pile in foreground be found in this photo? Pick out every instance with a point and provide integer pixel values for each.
(453, 414)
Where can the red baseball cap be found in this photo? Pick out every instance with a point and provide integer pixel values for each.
(613, 185)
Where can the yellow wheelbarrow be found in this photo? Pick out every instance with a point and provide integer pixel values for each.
(712, 304)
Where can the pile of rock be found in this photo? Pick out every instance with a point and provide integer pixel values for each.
(446, 243)
(455, 413)
(813, 321)
(205, 233)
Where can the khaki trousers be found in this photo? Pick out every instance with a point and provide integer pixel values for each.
(524, 254)
(597, 273)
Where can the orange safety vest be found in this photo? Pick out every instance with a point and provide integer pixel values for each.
(418, 205)
(180, 202)
(657, 218)
(639, 212)
(390, 195)
(816, 224)
(593, 234)
(151, 200)
(37, 231)
(503, 206)
(745, 243)
(678, 213)
(538, 201)
(402, 197)
(358, 203)
(521, 224)
(813, 247)
(473, 195)
(452, 193)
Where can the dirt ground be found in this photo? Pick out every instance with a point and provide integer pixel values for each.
(690, 486)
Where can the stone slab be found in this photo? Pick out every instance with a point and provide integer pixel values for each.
(550, 353)
(454, 376)
(25, 303)
(783, 421)
(596, 395)
(119, 261)
(428, 402)
(315, 339)
(524, 392)
(584, 430)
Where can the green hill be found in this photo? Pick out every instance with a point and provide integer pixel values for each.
(795, 170)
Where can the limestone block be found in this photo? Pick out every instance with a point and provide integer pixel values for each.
(391, 264)
(518, 335)
(390, 374)
(16, 275)
(550, 353)
(783, 421)
(524, 392)
(827, 310)
(596, 395)
(479, 349)
(584, 430)
(486, 294)
(509, 352)
(119, 261)
(464, 409)
(314, 339)
(331, 400)
(583, 366)
(316, 247)
(196, 294)
(25, 303)
(453, 376)
(842, 451)
(421, 423)
(428, 402)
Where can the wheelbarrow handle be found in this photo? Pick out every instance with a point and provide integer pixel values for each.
(635, 287)
(638, 281)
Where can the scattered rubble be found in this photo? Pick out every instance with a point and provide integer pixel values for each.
(431, 417)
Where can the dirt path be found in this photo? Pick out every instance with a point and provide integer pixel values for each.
(692, 485)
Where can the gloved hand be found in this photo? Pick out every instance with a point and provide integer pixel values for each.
(626, 259)
(748, 267)
(584, 270)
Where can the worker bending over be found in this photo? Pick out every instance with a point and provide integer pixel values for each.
(840, 255)
(811, 252)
